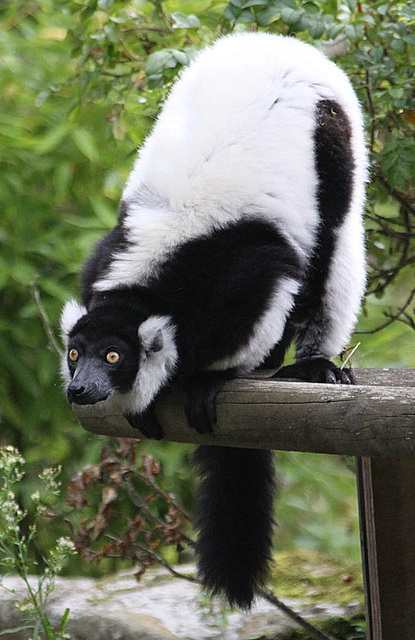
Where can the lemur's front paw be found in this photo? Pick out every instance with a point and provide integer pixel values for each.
(316, 370)
(200, 403)
(146, 423)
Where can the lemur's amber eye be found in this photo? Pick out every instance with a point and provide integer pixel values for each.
(73, 355)
(112, 357)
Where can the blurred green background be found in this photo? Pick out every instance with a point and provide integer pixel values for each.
(81, 83)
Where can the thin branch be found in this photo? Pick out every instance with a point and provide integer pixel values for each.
(388, 275)
(395, 194)
(45, 319)
(371, 108)
(391, 318)
(166, 496)
(351, 352)
(384, 224)
(316, 633)
(166, 565)
(154, 556)
(143, 508)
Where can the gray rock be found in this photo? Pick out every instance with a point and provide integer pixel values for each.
(157, 608)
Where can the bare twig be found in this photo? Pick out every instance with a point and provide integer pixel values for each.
(371, 108)
(316, 633)
(45, 319)
(404, 202)
(156, 558)
(393, 317)
(140, 505)
(349, 355)
(166, 496)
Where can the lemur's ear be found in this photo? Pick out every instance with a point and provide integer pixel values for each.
(71, 313)
(154, 343)
(158, 359)
(151, 332)
(156, 333)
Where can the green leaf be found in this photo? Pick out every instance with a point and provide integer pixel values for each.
(245, 4)
(245, 17)
(105, 4)
(398, 45)
(41, 97)
(231, 12)
(311, 8)
(23, 273)
(64, 620)
(85, 142)
(179, 56)
(354, 32)
(104, 213)
(16, 630)
(183, 21)
(291, 16)
(53, 139)
(158, 61)
(383, 9)
(267, 16)
(316, 29)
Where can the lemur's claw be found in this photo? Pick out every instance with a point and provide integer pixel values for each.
(146, 423)
(316, 370)
(201, 393)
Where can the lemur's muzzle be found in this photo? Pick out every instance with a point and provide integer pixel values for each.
(89, 385)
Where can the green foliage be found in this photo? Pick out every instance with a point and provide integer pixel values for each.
(16, 546)
(320, 514)
(81, 83)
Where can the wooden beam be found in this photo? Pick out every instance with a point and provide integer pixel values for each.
(375, 418)
(386, 490)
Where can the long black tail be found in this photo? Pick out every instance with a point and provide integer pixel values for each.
(235, 520)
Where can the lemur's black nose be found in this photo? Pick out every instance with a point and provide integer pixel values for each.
(74, 393)
(84, 391)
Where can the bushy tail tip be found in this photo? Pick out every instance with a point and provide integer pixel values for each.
(235, 521)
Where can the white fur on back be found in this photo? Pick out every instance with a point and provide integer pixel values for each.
(233, 140)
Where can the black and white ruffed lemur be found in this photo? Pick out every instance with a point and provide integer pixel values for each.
(240, 229)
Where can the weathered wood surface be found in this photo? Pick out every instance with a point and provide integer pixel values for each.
(374, 418)
(386, 491)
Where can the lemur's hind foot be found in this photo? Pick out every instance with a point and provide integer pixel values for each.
(316, 369)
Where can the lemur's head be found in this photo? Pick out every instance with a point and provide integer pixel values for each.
(109, 350)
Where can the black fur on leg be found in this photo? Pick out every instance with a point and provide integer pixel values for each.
(147, 423)
(201, 392)
(235, 521)
(316, 369)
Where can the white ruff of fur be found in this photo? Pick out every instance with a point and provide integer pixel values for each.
(71, 313)
(155, 368)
